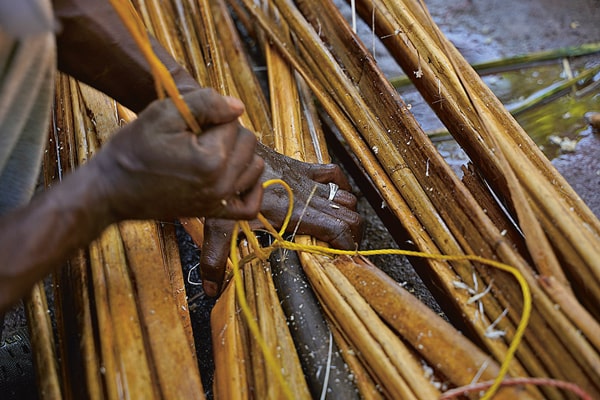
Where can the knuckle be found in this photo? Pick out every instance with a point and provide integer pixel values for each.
(209, 97)
(213, 165)
(335, 169)
(355, 220)
(249, 212)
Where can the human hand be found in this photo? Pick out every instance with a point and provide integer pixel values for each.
(334, 221)
(156, 168)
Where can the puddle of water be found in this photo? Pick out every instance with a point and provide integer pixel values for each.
(555, 125)
(559, 123)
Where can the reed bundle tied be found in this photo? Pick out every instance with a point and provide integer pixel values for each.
(386, 344)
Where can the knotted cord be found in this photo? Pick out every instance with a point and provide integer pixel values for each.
(263, 253)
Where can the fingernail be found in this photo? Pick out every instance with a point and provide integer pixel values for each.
(235, 103)
(210, 288)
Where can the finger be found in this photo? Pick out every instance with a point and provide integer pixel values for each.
(217, 143)
(325, 173)
(207, 106)
(342, 233)
(340, 198)
(250, 175)
(215, 250)
(244, 167)
(245, 206)
(350, 236)
(210, 108)
(340, 227)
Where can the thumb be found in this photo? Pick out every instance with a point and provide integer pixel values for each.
(210, 108)
(215, 250)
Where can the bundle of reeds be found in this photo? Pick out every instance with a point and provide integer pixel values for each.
(393, 345)
(121, 314)
(397, 156)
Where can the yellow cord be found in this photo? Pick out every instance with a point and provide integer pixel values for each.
(165, 83)
(163, 80)
(270, 360)
(263, 254)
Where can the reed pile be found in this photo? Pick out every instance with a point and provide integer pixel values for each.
(121, 313)
(511, 206)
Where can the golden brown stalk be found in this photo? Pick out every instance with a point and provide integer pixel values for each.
(132, 370)
(365, 384)
(390, 364)
(231, 361)
(452, 354)
(172, 357)
(42, 343)
(107, 344)
(174, 270)
(163, 80)
(244, 78)
(262, 297)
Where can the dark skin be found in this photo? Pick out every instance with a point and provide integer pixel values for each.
(155, 168)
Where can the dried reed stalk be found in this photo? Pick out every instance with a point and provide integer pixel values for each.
(244, 78)
(453, 355)
(397, 372)
(367, 387)
(230, 383)
(168, 343)
(520, 61)
(36, 308)
(461, 213)
(388, 361)
(297, 134)
(262, 297)
(545, 186)
(134, 335)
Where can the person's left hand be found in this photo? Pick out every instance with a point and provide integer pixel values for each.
(333, 221)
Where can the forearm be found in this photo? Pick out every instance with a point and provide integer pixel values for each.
(95, 47)
(38, 238)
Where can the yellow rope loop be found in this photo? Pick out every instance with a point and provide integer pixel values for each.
(315, 249)
(262, 253)
(288, 215)
(164, 83)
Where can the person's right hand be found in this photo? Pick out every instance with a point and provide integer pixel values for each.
(156, 168)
